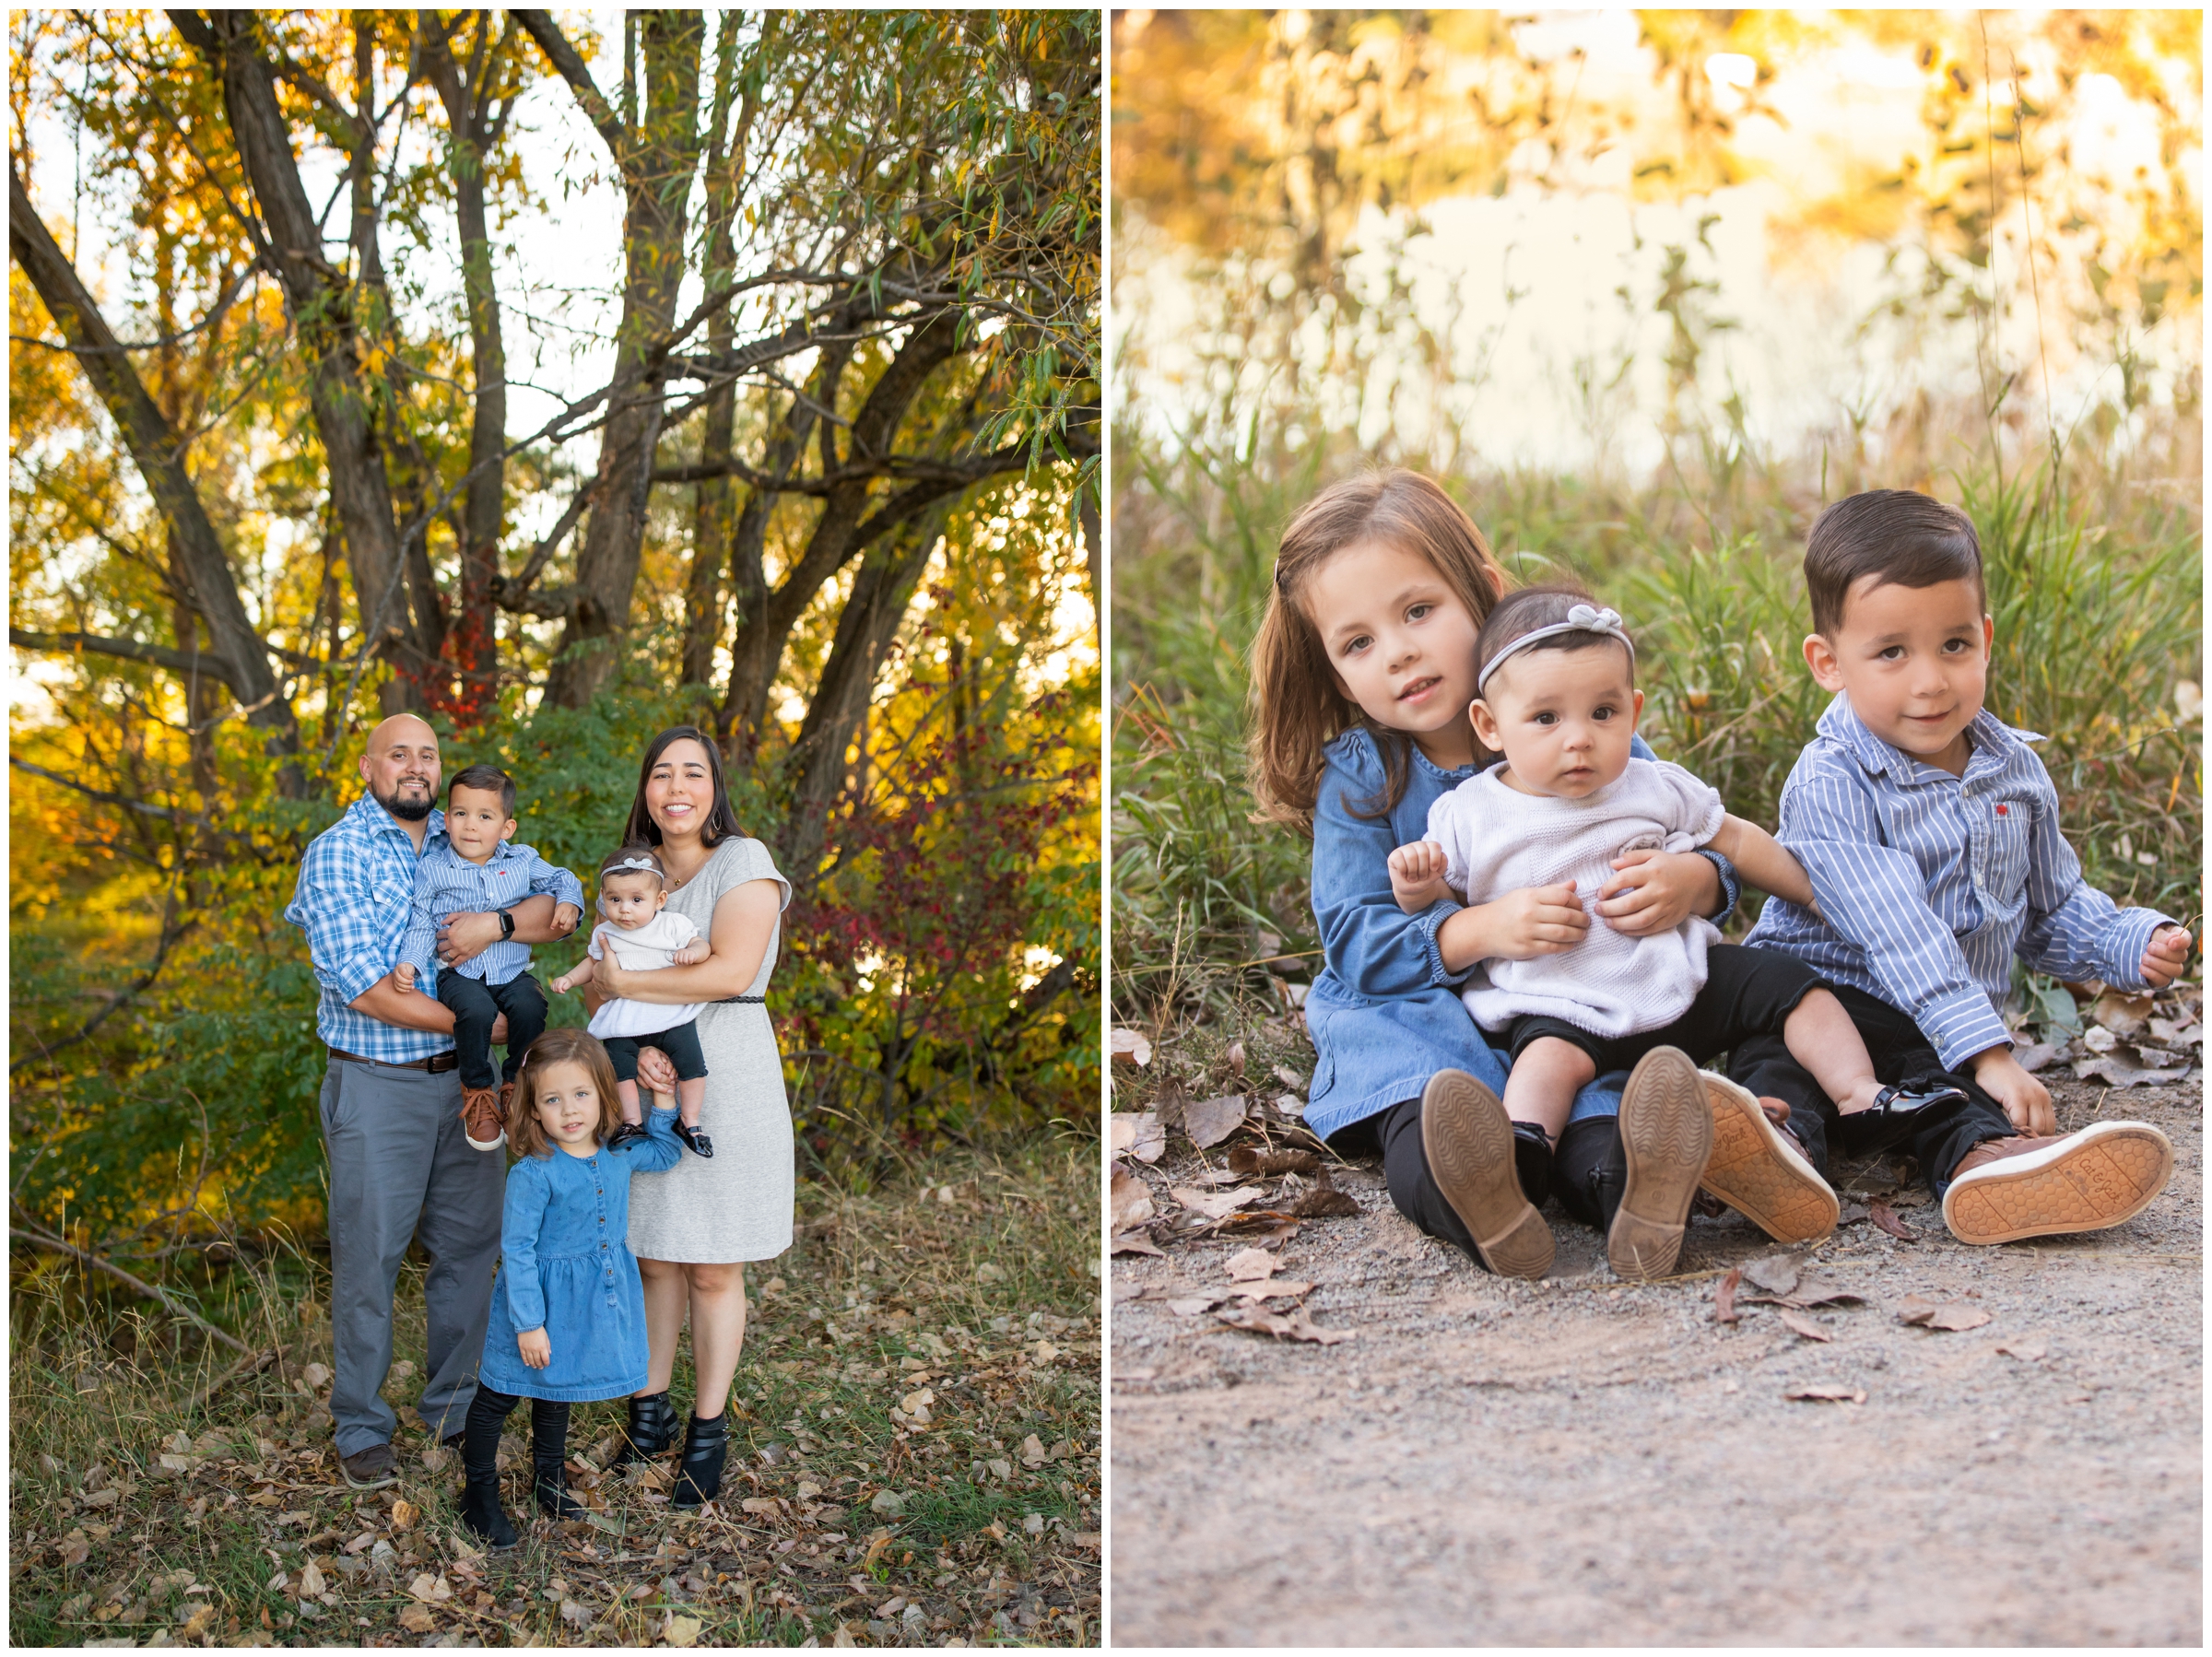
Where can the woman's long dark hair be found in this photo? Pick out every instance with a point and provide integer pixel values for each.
(721, 822)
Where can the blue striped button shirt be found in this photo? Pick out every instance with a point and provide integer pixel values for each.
(1931, 883)
(355, 893)
(447, 884)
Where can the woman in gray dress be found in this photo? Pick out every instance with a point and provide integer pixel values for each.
(693, 1228)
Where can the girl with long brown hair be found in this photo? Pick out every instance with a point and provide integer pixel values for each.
(1363, 671)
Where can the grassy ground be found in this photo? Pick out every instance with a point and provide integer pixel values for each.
(913, 1460)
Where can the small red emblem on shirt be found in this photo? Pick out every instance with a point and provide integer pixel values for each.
(2000, 808)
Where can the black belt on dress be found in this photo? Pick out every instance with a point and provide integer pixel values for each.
(438, 1064)
(735, 1000)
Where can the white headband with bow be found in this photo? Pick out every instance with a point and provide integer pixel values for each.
(1582, 619)
(639, 863)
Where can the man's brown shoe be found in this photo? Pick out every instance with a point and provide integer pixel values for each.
(2005, 1189)
(1469, 1144)
(482, 1119)
(370, 1469)
(1759, 1171)
(1665, 1137)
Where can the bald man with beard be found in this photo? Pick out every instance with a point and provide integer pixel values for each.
(400, 1162)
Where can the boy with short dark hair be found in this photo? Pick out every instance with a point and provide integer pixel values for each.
(477, 870)
(1930, 832)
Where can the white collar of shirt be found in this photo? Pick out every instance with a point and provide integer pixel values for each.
(1995, 743)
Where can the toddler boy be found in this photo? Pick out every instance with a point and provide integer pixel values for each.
(1930, 832)
(477, 869)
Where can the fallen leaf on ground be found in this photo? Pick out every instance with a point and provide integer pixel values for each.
(1957, 1317)
(2124, 1015)
(682, 1630)
(570, 1612)
(1132, 1045)
(1777, 1274)
(1297, 1327)
(1809, 1293)
(317, 1375)
(1269, 1289)
(1150, 1136)
(1210, 1120)
(1190, 1306)
(1824, 1393)
(1325, 1204)
(311, 1582)
(1724, 1298)
(1214, 1204)
(1130, 1201)
(1805, 1327)
(1880, 1213)
(1121, 1133)
(1136, 1242)
(2115, 1072)
(2027, 1350)
(199, 1623)
(416, 1619)
(1853, 1213)
(1247, 1161)
(1289, 1078)
(1233, 1056)
(1032, 1452)
(1250, 1263)
(404, 1514)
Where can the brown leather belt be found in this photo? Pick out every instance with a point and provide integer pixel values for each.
(438, 1064)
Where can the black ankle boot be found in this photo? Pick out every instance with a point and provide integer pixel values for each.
(552, 1486)
(699, 1475)
(1531, 1162)
(480, 1510)
(653, 1427)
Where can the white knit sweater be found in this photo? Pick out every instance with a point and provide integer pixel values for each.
(1498, 839)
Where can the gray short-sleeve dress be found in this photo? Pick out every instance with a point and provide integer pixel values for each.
(736, 1205)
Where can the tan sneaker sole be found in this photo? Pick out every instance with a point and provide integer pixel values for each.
(1470, 1143)
(2107, 1173)
(1757, 1171)
(1666, 1135)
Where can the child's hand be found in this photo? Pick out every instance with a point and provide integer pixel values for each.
(404, 975)
(581, 973)
(1536, 920)
(1656, 892)
(691, 954)
(1417, 875)
(2166, 955)
(536, 1348)
(565, 916)
(2026, 1100)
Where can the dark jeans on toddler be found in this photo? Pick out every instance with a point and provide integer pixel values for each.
(1941, 1136)
(475, 1004)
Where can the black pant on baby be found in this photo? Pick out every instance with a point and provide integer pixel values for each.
(475, 1004)
(1941, 1136)
(681, 1045)
(1747, 993)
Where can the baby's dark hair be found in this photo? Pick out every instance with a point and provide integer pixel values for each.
(621, 861)
(1521, 613)
(1900, 537)
(484, 778)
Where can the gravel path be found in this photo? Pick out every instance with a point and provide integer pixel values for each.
(1577, 1461)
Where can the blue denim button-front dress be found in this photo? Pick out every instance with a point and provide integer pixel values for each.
(565, 1267)
(1385, 1014)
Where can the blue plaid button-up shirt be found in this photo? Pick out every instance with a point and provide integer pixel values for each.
(447, 884)
(1931, 883)
(355, 895)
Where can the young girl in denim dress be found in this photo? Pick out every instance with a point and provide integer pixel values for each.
(1363, 670)
(567, 1312)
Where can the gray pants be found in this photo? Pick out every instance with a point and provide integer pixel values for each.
(400, 1165)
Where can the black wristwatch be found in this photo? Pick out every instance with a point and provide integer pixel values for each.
(506, 924)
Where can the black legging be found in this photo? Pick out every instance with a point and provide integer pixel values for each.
(1586, 1171)
(488, 1418)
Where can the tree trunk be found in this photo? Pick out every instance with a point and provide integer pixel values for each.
(657, 170)
(711, 510)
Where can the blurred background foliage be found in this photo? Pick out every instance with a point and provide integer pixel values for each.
(841, 515)
(1645, 291)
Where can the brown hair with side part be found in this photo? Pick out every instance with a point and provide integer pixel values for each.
(484, 779)
(721, 822)
(1298, 707)
(1902, 537)
(524, 1131)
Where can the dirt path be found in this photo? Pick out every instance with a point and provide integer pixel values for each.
(1576, 1462)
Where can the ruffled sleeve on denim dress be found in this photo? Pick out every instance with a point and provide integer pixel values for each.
(1385, 1014)
(565, 1267)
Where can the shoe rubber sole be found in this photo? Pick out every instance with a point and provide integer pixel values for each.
(1758, 1173)
(369, 1484)
(2108, 1172)
(1469, 1143)
(1666, 1136)
(477, 1144)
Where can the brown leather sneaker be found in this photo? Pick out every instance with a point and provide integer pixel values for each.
(482, 1119)
(1666, 1136)
(1469, 1143)
(507, 1100)
(1759, 1171)
(2045, 1186)
(370, 1469)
